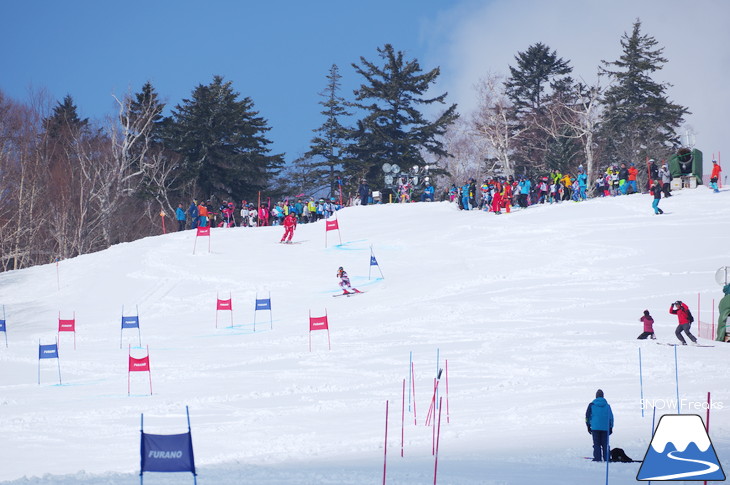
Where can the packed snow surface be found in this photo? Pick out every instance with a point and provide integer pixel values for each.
(528, 314)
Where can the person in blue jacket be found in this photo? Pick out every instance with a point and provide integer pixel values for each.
(599, 420)
(193, 213)
(525, 188)
(582, 184)
(427, 193)
(180, 216)
(465, 195)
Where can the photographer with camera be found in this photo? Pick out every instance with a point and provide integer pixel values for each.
(685, 319)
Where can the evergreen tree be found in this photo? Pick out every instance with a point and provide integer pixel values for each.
(393, 129)
(65, 122)
(322, 164)
(639, 120)
(222, 143)
(537, 69)
(145, 112)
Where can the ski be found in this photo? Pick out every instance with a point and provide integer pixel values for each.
(680, 345)
(359, 292)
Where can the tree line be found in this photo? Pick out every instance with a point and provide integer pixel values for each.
(70, 186)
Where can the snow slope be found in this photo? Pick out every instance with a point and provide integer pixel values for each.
(533, 310)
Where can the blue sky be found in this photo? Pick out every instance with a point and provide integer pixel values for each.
(279, 52)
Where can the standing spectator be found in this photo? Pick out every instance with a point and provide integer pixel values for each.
(180, 216)
(614, 181)
(299, 210)
(567, 186)
(193, 213)
(648, 322)
(582, 184)
(653, 172)
(465, 195)
(202, 215)
(656, 190)
(506, 199)
(497, 198)
(623, 177)
(244, 214)
(263, 216)
(716, 169)
(427, 193)
(599, 420)
(685, 319)
(666, 179)
(525, 187)
(473, 193)
(633, 172)
(363, 191)
(453, 193)
(290, 223)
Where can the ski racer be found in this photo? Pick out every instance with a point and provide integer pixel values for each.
(345, 282)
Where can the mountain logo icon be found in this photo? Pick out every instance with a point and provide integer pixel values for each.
(680, 450)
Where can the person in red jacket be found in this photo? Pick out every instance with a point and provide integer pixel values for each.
(290, 223)
(648, 322)
(685, 319)
(716, 169)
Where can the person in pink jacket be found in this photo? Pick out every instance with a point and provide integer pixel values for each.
(648, 322)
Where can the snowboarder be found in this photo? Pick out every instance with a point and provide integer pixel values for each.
(290, 223)
(599, 420)
(648, 322)
(345, 282)
(716, 169)
(685, 319)
(656, 190)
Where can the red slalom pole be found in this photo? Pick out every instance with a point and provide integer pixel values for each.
(438, 437)
(413, 380)
(447, 390)
(403, 417)
(385, 446)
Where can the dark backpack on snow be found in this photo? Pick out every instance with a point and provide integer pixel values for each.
(618, 455)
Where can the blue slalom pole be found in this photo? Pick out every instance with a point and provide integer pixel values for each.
(653, 417)
(676, 380)
(608, 447)
(641, 384)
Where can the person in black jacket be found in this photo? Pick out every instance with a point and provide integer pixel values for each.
(363, 191)
(623, 178)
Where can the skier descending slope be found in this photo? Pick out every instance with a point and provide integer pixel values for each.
(345, 282)
(290, 223)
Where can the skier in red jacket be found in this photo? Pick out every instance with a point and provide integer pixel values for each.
(290, 223)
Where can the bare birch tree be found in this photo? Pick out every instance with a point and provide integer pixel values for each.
(581, 115)
(491, 121)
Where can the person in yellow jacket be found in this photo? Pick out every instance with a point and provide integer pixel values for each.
(567, 186)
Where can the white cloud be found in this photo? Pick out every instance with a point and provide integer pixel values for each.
(477, 37)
